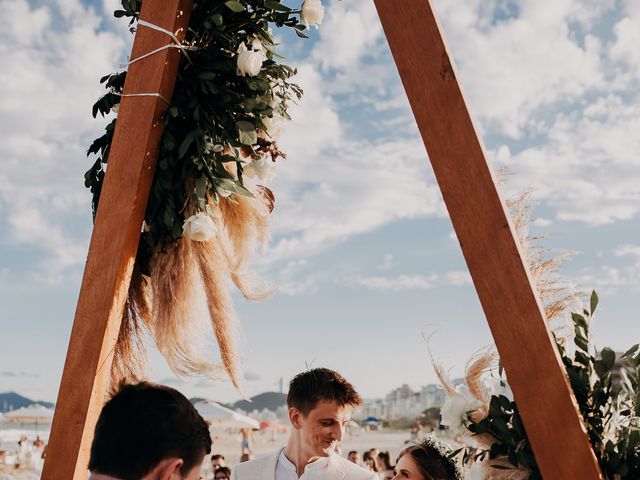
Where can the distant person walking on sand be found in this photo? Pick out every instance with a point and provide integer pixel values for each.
(149, 432)
(245, 441)
(320, 403)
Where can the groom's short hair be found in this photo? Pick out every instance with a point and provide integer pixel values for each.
(320, 384)
(143, 424)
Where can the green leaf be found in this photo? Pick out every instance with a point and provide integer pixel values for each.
(276, 6)
(235, 6)
(186, 143)
(580, 321)
(593, 301)
(201, 191)
(582, 358)
(168, 218)
(247, 133)
(216, 19)
(608, 357)
(207, 75)
(631, 351)
(232, 186)
(581, 343)
(600, 368)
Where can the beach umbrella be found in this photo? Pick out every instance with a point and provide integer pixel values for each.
(32, 414)
(271, 425)
(372, 420)
(220, 417)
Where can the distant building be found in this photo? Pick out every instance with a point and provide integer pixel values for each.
(431, 396)
(372, 408)
(403, 402)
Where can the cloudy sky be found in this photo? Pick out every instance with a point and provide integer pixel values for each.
(362, 248)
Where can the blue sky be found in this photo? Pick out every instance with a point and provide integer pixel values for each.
(362, 249)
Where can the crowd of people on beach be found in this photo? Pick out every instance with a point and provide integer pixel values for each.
(28, 454)
(153, 432)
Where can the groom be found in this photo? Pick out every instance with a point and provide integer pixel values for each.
(320, 403)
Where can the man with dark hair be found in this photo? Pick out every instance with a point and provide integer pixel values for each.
(217, 461)
(222, 473)
(148, 432)
(320, 403)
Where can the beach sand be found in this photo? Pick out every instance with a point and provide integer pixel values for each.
(264, 442)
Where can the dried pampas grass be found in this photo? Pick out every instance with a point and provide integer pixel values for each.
(187, 297)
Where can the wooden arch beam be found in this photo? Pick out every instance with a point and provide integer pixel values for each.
(114, 241)
(489, 243)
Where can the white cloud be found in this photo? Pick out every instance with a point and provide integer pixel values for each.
(611, 279)
(627, 249)
(514, 67)
(459, 278)
(349, 33)
(387, 262)
(57, 54)
(395, 284)
(587, 171)
(332, 187)
(401, 283)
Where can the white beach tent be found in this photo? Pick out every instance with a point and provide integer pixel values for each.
(220, 417)
(32, 414)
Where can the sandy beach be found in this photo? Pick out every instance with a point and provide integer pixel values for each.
(228, 444)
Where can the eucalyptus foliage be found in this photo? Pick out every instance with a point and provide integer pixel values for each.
(606, 386)
(215, 116)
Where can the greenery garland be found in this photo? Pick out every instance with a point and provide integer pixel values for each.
(228, 105)
(607, 388)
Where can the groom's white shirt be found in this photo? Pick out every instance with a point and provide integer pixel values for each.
(271, 467)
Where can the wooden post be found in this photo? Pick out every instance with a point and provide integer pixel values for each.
(481, 221)
(115, 240)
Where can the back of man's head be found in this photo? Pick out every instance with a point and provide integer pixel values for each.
(144, 424)
(320, 384)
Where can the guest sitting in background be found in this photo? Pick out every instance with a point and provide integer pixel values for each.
(369, 461)
(149, 432)
(384, 465)
(354, 457)
(222, 473)
(427, 459)
(217, 461)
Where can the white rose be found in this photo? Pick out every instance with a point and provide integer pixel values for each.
(275, 126)
(249, 62)
(312, 12)
(455, 408)
(199, 227)
(476, 472)
(256, 45)
(263, 168)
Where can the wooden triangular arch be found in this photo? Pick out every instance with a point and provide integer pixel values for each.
(481, 221)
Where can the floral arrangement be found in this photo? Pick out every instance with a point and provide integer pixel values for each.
(209, 203)
(483, 416)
